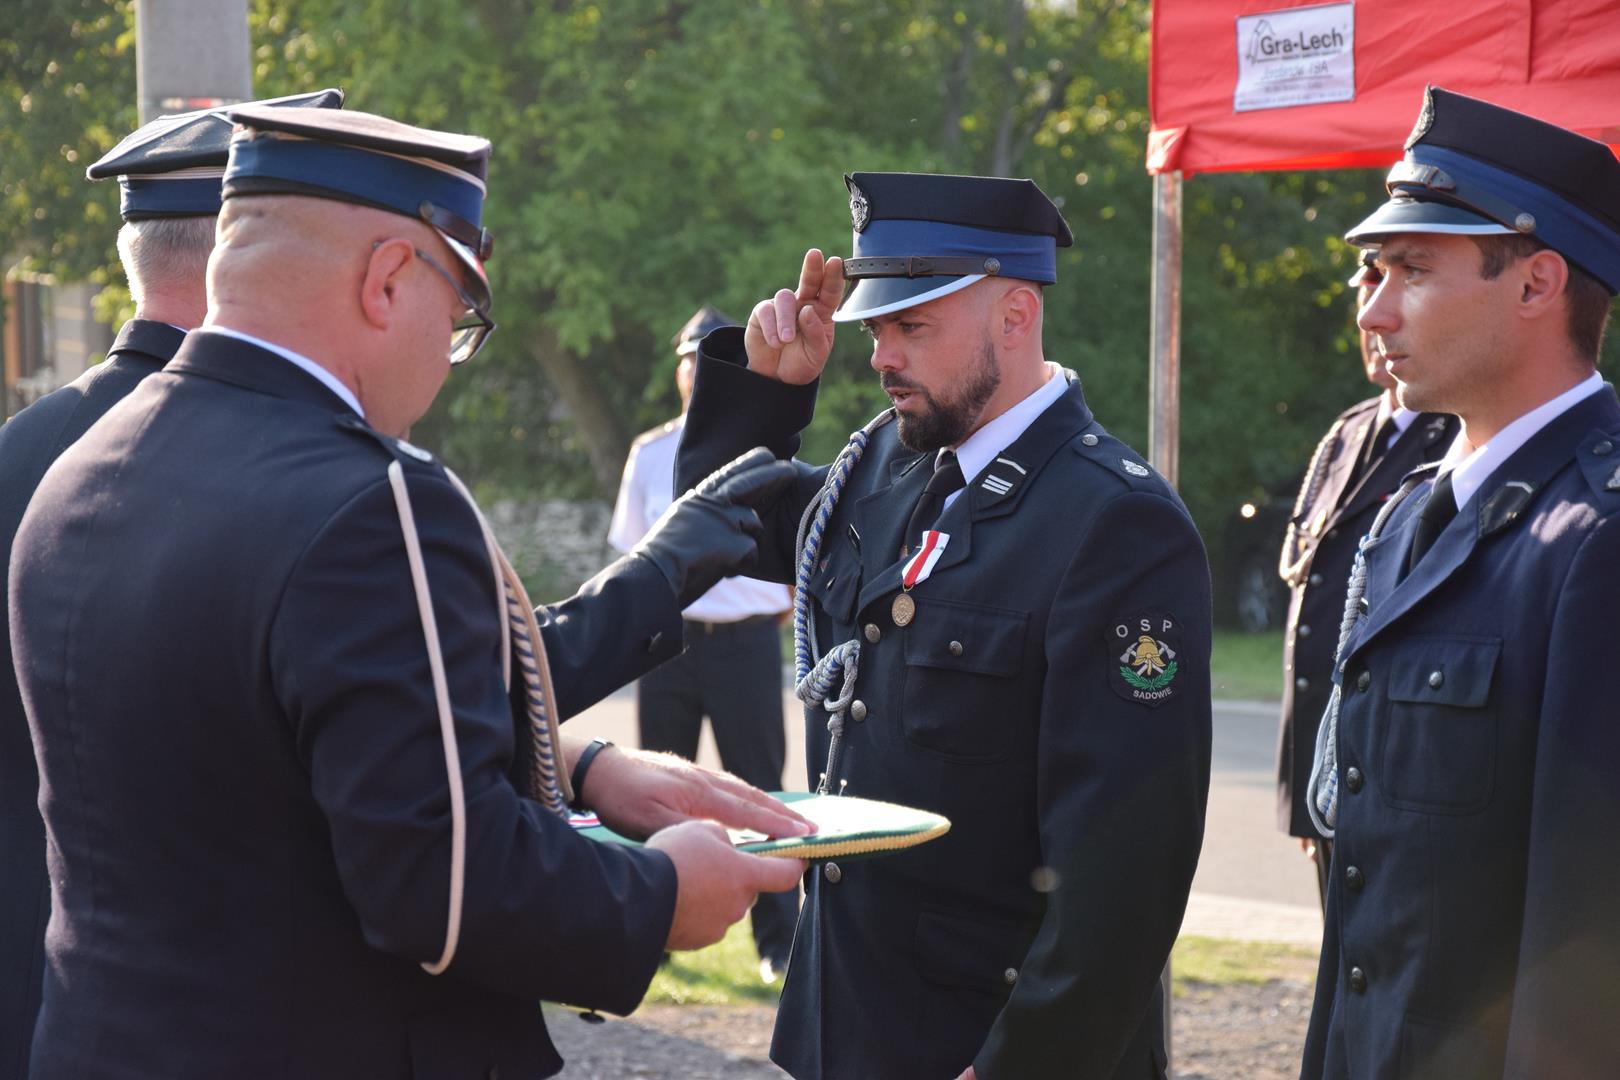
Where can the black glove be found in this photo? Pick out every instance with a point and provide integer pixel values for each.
(712, 531)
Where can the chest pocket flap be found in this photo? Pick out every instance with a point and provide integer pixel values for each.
(1454, 671)
(834, 590)
(966, 637)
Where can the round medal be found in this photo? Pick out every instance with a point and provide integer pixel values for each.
(903, 610)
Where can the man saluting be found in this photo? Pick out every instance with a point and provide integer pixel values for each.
(1005, 618)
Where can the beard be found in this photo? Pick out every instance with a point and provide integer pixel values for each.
(947, 420)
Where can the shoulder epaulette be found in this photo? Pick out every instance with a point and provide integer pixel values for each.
(1108, 453)
(404, 452)
(1599, 458)
(653, 434)
(1358, 409)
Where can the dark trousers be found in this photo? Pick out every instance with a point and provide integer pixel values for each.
(731, 673)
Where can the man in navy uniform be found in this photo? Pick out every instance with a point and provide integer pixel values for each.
(270, 652)
(169, 179)
(1468, 769)
(1010, 614)
(731, 670)
(1358, 463)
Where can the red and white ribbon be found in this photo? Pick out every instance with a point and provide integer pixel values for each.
(922, 563)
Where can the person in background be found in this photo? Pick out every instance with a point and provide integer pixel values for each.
(169, 179)
(1358, 463)
(731, 670)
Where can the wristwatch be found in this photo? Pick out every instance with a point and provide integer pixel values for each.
(581, 767)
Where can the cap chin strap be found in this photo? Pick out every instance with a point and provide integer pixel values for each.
(1437, 183)
(915, 266)
(480, 241)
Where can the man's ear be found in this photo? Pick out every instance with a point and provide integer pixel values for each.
(1543, 280)
(380, 287)
(1019, 314)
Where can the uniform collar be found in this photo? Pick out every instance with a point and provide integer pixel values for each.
(1505, 496)
(155, 339)
(304, 363)
(979, 449)
(1402, 418)
(1471, 470)
(240, 361)
(995, 492)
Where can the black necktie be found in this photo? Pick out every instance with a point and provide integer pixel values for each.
(946, 479)
(1376, 444)
(1432, 518)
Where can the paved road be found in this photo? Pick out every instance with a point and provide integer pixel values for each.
(1252, 881)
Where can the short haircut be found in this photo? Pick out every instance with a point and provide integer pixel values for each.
(165, 252)
(1589, 299)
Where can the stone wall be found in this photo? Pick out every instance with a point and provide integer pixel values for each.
(554, 544)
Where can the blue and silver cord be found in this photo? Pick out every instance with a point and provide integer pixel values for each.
(816, 675)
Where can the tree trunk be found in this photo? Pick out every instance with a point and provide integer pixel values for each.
(594, 417)
(1006, 101)
(955, 93)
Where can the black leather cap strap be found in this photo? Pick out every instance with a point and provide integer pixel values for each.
(914, 266)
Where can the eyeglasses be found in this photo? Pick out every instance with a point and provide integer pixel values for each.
(473, 328)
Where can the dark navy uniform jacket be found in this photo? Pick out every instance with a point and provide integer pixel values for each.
(1334, 510)
(29, 442)
(1029, 940)
(1472, 925)
(242, 767)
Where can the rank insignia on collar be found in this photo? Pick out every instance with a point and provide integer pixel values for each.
(1001, 477)
(1144, 657)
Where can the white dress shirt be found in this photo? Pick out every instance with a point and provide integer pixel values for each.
(645, 493)
(1470, 469)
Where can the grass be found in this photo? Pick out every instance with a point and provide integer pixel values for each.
(728, 973)
(1247, 666)
(1220, 962)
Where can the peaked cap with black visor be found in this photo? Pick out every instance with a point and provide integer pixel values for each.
(921, 236)
(172, 166)
(706, 319)
(436, 177)
(1476, 169)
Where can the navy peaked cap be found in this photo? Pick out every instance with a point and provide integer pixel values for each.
(436, 177)
(708, 318)
(921, 236)
(1473, 168)
(172, 166)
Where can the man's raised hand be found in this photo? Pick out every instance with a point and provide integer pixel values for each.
(790, 335)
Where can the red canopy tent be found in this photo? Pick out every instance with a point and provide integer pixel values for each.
(1555, 59)
(1213, 63)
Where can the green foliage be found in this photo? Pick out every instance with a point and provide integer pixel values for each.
(655, 155)
(1247, 666)
(67, 94)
